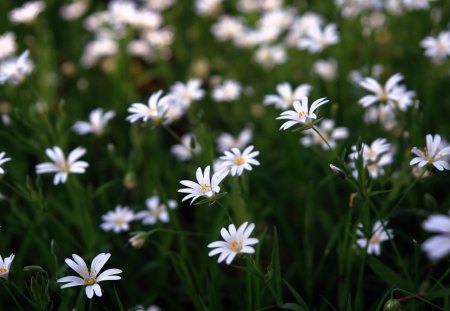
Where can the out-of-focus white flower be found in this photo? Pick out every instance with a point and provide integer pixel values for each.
(74, 10)
(226, 141)
(237, 161)
(316, 40)
(147, 19)
(380, 93)
(160, 39)
(379, 234)
(207, 7)
(374, 156)
(302, 113)
(154, 110)
(90, 279)
(227, 27)
(328, 131)
(205, 185)
(326, 69)
(155, 211)
(384, 114)
(438, 49)
(15, 69)
(150, 308)
(2, 161)
(62, 166)
(417, 4)
(188, 146)
(235, 242)
(5, 266)
(437, 246)
(302, 26)
(141, 48)
(287, 96)
(98, 48)
(97, 122)
(7, 45)
(229, 91)
(268, 56)
(117, 220)
(402, 98)
(188, 92)
(122, 12)
(159, 5)
(435, 154)
(27, 13)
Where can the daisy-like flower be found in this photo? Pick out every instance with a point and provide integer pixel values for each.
(154, 110)
(90, 279)
(287, 96)
(14, 70)
(117, 220)
(237, 161)
(7, 45)
(188, 146)
(379, 234)
(438, 49)
(328, 131)
(226, 141)
(381, 93)
(302, 113)
(62, 166)
(155, 210)
(375, 157)
(236, 242)
(3, 160)
(188, 92)
(230, 90)
(437, 246)
(316, 40)
(205, 185)
(435, 153)
(402, 98)
(5, 265)
(27, 13)
(97, 122)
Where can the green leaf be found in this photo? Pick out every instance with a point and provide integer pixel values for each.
(292, 306)
(297, 296)
(386, 274)
(273, 275)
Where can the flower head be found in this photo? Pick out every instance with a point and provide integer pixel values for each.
(229, 91)
(438, 49)
(188, 92)
(3, 160)
(62, 166)
(7, 45)
(5, 265)
(379, 234)
(205, 186)
(90, 279)
(236, 242)
(286, 96)
(155, 210)
(435, 154)
(437, 246)
(27, 13)
(374, 156)
(188, 146)
(154, 110)
(117, 220)
(317, 39)
(380, 93)
(302, 113)
(226, 141)
(237, 161)
(96, 124)
(15, 69)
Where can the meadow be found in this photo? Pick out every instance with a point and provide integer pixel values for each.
(224, 155)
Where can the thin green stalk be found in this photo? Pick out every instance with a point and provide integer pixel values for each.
(12, 296)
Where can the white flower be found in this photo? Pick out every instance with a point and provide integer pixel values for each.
(227, 27)
(417, 4)
(438, 49)
(97, 122)
(5, 265)
(205, 185)
(155, 210)
(117, 220)
(328, 131)
(62, 166)
(287, 96)
(326, 69)
(237, 161)
(302, 113)
(207, 7)
(317, 40)
(268, 56)
(89, 279)
(27, 13)
(226, 141)
(381, 93)
(188, 92)
(433, 154)
(188, 146)
(7, 45)
(401, 97)
(154, 110)
(3, 160)
(230, 90)
(437, 246)
(384, 114)
(73, 10)
(15, 69)
(379, 234)
(375, 157)
(98, 48)
(236, 242)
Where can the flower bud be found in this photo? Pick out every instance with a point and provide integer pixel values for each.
(392, 305)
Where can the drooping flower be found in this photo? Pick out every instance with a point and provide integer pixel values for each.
(155, 211)
(437, 246)
(286, 96)
(379, 234)
(97, 122)
(117, 220)
(380, 93)
(89, 279)
(5, 266)
(435, 154)
(205, 185)
(302, 113)
(3, 160)
(237, 161)
(62, 166)
(236, 242)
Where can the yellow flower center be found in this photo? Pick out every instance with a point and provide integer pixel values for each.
(236, 246)
(371, 153)
(89, 281)
(302, 114)
(383, 97)
(239, 161)
(375, 239)
(3, 270)
(205, 188)
(119, 220)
